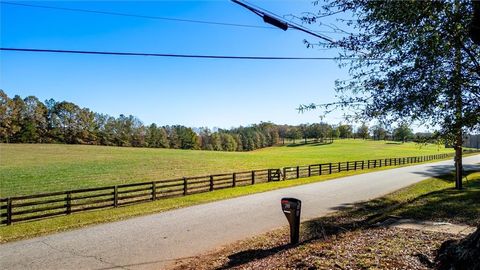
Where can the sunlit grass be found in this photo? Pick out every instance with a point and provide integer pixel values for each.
(34, 168)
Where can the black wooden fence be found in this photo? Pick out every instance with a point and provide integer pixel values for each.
(31, 207)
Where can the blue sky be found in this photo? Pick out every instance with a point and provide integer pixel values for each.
(191, 92)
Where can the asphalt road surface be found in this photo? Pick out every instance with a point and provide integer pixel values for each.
(155, 241)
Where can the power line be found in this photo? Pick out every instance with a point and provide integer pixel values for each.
(272, 18)
(137, 15)
(172, 55)
(145, 16)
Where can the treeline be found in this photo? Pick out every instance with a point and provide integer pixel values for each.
(28, 120)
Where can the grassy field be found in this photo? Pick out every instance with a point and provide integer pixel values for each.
(35, 168)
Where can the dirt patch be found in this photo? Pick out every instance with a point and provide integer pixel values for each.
(374, 248)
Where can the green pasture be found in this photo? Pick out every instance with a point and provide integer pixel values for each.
(35, 168)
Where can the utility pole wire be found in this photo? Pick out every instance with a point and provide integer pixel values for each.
(144, 16)
(278, 21)
(172, 55)
(137, 15)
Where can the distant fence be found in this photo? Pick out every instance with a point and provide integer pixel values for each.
(31, 207)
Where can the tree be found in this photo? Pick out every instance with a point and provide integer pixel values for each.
(410, 61)
(187, 137)
(66, 121)
(345, 131)
(335, 133)
(34, 120)
(403, 133)
(205, 141)
(173, 138)
(282, 132)
(303, 128)
(104, 128)
(228, 142)
(17, 109)
(325, 131)
(294, 134)
(216, 142)
(7, 130)
(379, 133)
(362, 131)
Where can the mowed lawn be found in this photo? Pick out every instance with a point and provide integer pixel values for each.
(35, 168)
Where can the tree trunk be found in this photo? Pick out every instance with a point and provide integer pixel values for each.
(461, 254)
(457, 91)
(458, 160)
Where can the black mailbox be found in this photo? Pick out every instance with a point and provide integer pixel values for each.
(291, 208)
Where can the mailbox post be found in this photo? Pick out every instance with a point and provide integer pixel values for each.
(291, 208)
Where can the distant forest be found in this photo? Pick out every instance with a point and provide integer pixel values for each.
(29, 120)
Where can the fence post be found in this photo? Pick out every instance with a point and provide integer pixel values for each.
(154, 191)
(348, 166)
(269, 175)
(368, 164)
(253, 177)
(298, 171)
(69, 203)
(339, 166)
(319, 169)
(309, 170)
(375, 163)
(284, 173)
(9, 211)
(355, 166)
(211, 183)
(234, 180)
(330, 168)
(185, 187)
(115, 196)
(363, 163)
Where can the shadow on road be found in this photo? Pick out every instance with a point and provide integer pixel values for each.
(445, 172)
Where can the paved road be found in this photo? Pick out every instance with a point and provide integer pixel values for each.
(153, 242)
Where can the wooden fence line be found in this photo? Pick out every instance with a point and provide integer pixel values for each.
(37, 206)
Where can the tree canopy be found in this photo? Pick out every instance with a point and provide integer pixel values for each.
(412, 61)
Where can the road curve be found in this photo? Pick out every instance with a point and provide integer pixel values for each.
(154, 241)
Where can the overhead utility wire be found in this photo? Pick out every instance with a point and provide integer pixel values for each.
(138, 15)
(276, 20)
(173, 55)
(147, 16)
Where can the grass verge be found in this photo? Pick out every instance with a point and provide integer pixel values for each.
(348, 238)
(79, 220)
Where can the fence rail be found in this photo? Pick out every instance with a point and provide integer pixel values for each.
(31, 207)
